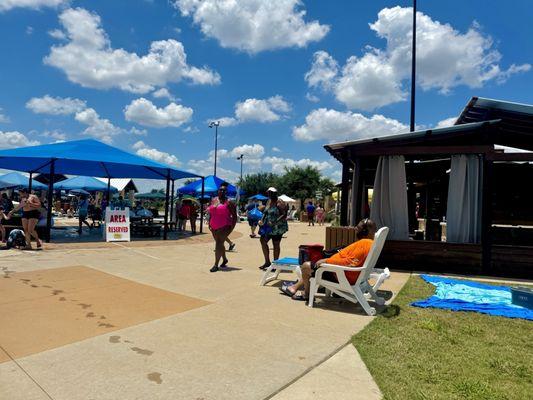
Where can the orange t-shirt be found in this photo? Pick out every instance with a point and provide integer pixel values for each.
(353, 255)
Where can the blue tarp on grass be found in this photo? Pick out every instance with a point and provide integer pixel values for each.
(463, 295)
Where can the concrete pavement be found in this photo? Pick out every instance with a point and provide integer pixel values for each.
(247, 343)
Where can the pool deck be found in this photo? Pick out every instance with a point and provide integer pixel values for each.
(171, 329)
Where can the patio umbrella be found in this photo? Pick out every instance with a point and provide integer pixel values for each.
(85, 183)
(150, 196)
(79, 191)
(212, 183)
(15, 180)
(286, 199)
(258, 197)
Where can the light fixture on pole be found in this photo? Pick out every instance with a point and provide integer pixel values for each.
(216, 125)
(241, 157)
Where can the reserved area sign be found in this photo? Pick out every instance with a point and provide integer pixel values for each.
(117, 225)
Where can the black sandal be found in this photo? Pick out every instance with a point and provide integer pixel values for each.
(265, 266)
(285, 290)
(224, 264)
(214, 268)
(299, 297)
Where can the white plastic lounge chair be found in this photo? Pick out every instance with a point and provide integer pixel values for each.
(354, 293)
(285, 264)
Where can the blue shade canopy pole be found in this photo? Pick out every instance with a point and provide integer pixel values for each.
(108, 190)
(50, 200)
(165, 230)
(30, 181)
(202, 206)
(172, 203)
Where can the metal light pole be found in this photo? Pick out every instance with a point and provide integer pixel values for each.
(216, 125)
(241, 157)
(413, 70)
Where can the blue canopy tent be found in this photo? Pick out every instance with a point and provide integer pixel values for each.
(89, 158)
(258, 197)
(14, 180)
(210, 186)
(87, 183)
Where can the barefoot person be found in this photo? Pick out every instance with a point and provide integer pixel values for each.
(30, 205)
(272, 226)
(353, 255)
(222, 220)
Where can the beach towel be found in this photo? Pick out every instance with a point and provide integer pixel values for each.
(463, 295)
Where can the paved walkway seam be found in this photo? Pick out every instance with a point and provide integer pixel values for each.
(312, 367)
(27, 373)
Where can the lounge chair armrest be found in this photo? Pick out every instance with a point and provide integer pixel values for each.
(334, 268)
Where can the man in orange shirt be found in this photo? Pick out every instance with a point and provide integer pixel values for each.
(353, 255)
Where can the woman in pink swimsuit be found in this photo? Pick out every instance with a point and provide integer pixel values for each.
(222, 220)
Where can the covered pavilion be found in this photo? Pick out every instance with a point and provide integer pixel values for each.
(89, 158)
(457, 199)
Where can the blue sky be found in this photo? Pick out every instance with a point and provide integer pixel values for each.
(284, 76)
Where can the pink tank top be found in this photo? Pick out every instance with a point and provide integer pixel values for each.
(219, 215)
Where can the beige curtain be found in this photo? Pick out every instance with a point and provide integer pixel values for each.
(463, 215)
(389, 202)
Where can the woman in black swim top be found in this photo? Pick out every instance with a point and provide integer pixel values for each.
(31, 213)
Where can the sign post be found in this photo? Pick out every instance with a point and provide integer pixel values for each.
(117, 225)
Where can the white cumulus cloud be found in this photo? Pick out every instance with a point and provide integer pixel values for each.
(89, 60)
(446, 58)
(257, 110)
(97, 127)
(13, 139)
(163, 93)
(160, 156)
(55, 105)
(144, 112)
(253, 25)
(6, 5)
(3, 118)
(446, 122)
(333, 125)
(279, 164)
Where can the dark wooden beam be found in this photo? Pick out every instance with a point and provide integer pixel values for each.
(510, 156)
(380, 150)
(355, 199)
(344, 193)
(486, 215)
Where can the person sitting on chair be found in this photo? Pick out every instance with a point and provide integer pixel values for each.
(353, 255)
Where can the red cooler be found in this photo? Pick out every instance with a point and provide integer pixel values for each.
(310, 252)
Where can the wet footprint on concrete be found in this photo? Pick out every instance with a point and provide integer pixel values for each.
(48, 287)
(114, 339)
(90, 315)
(143, 352)
(62, 299)
(34, 286)
(155, 377)
(102, 317)
(55, 292)
(106, 325)
(84, 306)
(25, 281)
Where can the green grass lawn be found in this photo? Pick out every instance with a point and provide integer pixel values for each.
(417, 353)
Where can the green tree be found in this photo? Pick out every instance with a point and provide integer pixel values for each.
(258, 183)
(300, 182)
